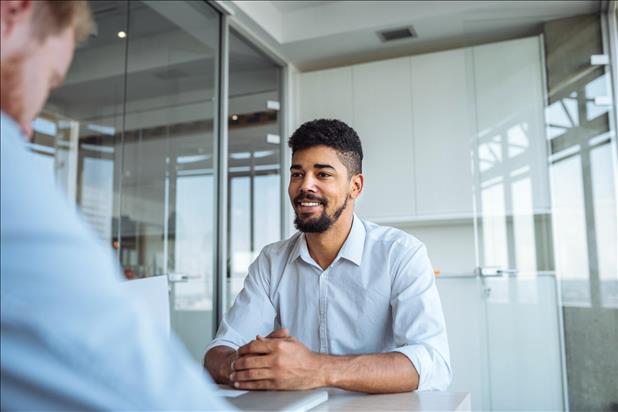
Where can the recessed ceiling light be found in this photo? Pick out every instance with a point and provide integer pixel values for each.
(122, 34)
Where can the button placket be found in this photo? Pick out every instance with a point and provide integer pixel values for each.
(323, 281)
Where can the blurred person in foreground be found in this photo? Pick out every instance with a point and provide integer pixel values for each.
(71, 338)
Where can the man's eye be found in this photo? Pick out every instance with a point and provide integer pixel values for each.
(322, 174)
(296, 174)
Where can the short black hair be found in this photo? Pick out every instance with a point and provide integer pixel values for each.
(331, 133)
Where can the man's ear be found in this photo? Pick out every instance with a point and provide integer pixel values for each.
(357, 183)
(12, 12)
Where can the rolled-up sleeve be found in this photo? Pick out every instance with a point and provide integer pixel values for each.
(418, 322)
(252, 312)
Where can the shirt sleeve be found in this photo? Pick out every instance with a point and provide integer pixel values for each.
(418, 322)
(252, 312)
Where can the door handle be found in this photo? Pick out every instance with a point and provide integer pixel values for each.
(181, 277)
(488, 272)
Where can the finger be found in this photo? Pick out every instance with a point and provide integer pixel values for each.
(279, 333)
(255, 347)
(255, 385)
(252, 375)
(253, 362)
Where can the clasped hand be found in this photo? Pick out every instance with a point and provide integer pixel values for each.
(276, 362)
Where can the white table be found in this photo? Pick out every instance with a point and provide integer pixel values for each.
(339, 400)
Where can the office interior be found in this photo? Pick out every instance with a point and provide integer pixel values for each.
(489, 133)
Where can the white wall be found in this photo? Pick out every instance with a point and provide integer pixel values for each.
(450, 246)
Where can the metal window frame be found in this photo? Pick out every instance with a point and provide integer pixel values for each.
(227, 22)
(221, 167)
(610, 36)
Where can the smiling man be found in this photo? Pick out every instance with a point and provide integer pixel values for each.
(342, 303)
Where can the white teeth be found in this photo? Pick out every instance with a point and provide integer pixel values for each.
(309, 204)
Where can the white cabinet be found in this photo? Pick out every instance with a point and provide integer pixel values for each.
(420, 118)
(382, 113)
(443, 131)
(504, 339)
(524, 344)
(464, 314)
(326, 94)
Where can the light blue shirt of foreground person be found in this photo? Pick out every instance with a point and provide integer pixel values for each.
(71, 338)
(378, 295)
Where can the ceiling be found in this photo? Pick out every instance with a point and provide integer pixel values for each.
(288, 6)
(322, 34)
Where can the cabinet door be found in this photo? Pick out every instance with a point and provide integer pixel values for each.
(442, 133)
(524, 344)
(382, 113)
(464, 314)
(326, 94)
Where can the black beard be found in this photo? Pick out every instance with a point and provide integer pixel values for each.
(320, 224)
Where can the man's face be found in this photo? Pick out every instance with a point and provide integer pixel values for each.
(29, 76)
(319, 188)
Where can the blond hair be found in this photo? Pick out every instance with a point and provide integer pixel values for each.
(51, 17)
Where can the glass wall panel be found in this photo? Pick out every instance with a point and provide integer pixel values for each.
(83, 122)
(580, 131)
(167, 189)
(604, 201)
(254, 158)
(545, 213)
(130, 137)
(512, 218)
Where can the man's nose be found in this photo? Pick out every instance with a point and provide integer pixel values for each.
(308, 183)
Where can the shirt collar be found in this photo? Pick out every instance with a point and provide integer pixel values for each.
(351, 250)
(354, 245)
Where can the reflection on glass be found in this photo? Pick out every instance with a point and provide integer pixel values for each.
(254, 159)
(87, 124)
(97, 193)
(132, 138)
(598, 87)
(490, 153)
(561, 116)
(517, 140)
(523, 222)
(585, 228)
(193, 235)
(605, 222)
(494, 225)
(571, 248)
(511, 170)
(265, 195)
(240, 236)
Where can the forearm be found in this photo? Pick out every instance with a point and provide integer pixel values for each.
(376, 373)
(218, 362)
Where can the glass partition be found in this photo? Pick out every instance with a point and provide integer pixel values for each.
(581, 133)
(254, 158)
(545, 215)
(130, 137)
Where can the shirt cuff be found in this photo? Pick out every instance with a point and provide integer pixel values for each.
(421, 360)
(221, 342)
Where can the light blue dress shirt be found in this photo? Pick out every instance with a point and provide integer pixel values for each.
(71, 338)
(378, 295)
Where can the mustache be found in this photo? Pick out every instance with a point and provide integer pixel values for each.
(309, 197)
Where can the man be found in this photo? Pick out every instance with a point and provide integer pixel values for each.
(71, 338)
(350, 304)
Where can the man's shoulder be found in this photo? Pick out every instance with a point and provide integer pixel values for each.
(390, 238)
